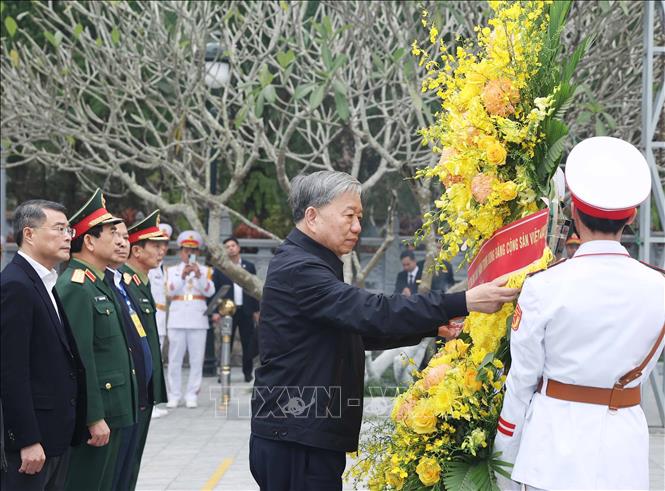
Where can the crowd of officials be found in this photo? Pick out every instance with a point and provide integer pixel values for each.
(82, 371)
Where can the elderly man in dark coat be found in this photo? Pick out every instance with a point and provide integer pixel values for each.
(313, 333)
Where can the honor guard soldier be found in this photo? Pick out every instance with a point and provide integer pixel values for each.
(94, 316)
(157, 277)
(157, 281)
(585, 335)
(189, 284)
(146, 241)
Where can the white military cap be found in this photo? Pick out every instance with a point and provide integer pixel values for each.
(607, 177)
(191, 239)
(166, 229)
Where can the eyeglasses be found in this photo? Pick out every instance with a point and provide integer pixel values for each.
(62, 230)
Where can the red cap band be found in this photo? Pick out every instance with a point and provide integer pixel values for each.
(600, 213)
(88, 222)
(146, 233)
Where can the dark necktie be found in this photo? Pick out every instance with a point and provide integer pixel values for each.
(120, 289)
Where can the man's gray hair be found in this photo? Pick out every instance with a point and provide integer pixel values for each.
(319, 189)
(31, 214)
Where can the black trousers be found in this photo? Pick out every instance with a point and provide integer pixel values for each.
(286, 466)
(51, 477)
(243, 322)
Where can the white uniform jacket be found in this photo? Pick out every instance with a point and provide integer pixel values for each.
(187, 297)
(586, 321)
(157, 278)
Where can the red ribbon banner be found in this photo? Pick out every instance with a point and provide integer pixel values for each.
(512, 247)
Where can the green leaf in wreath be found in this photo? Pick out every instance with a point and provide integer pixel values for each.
(466, 476)
(498, 466)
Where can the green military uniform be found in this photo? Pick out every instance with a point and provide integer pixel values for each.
(111, 387)
(138, 287)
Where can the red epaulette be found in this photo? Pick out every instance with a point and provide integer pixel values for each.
(655, 268)
(562, 260)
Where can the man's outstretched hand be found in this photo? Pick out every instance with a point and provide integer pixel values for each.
(490, 297)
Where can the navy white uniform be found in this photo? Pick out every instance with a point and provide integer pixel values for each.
(187, 324)
(586, 322)
(157, 278)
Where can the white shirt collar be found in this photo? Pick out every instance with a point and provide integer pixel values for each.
(117, 276)
(601, 247)
(41, 270)
(413, 273)
(49, 278)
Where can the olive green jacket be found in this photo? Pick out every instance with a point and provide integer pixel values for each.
(94, 317)
(142, 297)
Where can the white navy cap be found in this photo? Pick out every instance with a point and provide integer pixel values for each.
(191, 239)
(166, 229)
(607, 177)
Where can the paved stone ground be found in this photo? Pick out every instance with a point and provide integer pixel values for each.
(201, 449)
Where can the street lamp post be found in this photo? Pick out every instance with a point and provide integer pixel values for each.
(217, 75)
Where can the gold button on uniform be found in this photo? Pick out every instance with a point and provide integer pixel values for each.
(108, 386)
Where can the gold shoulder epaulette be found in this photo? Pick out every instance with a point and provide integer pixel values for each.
(209, 273)
(78, 276)
(556, 263)
(127, 278)
(655, 268)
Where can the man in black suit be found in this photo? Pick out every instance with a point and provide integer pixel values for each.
(42, 375)
(247, 308)
(408, 279)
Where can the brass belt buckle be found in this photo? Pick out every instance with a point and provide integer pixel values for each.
(613, 405)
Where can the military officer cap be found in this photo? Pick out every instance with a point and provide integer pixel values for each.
(190, 239)
(166, 229)
(91, 214)
(573, 240)
(607, 177)
(146, 229)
